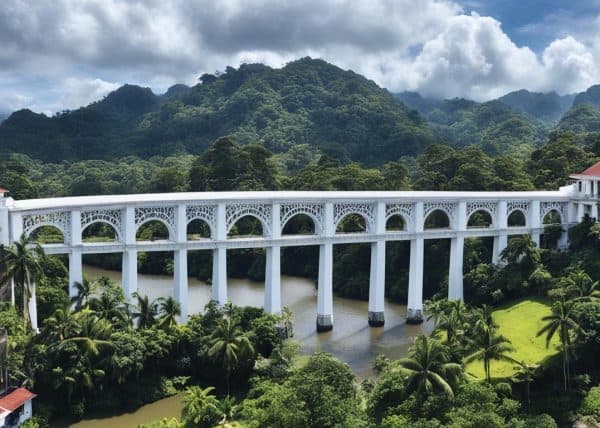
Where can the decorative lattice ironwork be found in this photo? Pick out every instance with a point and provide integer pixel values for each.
(112, 217)
(207, 213)
(560, 207)
(262, 212)
(491, 207)
(366, 210)
(405, 210)
(448, 207)
(512, 206)
(163, 214)
(314, 211)
(58, 219)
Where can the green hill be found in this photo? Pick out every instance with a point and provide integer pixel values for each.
(580, 118)
(548, 107)
(306, 102)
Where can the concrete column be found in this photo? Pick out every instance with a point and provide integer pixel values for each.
(325, 284)
(414, 312)
(219, 275)
(180, 271)
(4, 221)
(455, 274)
(75, 270)
(273, 266)
(534, 221)
(580, 212)
(377, 279)
(180, 265)
(129, 274)
(16, 226)
(32, 307)
(129, 269)
(457, 244)
(273, 280)
(501, 224)
(594, 214)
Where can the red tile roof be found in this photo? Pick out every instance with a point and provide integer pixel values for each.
(593, 171)
(3, 190)
(15, 399)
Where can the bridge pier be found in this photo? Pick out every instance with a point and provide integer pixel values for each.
(181, 285)
(129, 274)
(75, 271)
(377, 277)
(325, 288)
(273, 280)
(219, 276)
(455, 274)
(414, 310)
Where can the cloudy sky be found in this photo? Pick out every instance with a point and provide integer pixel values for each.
(61, 54)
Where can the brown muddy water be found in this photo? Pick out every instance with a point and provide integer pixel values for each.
(351, 340)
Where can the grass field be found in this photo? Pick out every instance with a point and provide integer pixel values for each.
(519, 322)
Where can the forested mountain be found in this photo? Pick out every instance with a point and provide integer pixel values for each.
(3, 116)
(548, 107)
(492, 125)
(591, 97)
(306, 102)
(580, 119)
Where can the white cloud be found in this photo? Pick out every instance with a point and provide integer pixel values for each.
(77, 92)
(78, 47)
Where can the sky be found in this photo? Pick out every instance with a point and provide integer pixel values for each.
(62, 54)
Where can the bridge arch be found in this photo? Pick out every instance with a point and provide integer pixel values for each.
(311, 210)
(517, 218)
(88, 229)
(50, 230)
(437, 218)
(365, 210)
(198, 228)
(480, 218)
(300, 221)
(157, 224)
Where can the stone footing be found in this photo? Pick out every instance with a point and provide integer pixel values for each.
(376, 319)
(414, 316)
(324, 322)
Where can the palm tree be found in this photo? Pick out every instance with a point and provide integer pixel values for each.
(169, 310)
(146, 311)
(108, 307)
(229, 344)
(85, 291)
(453, 321)
(489, 346)
(228, 409)
(200, 407)
(563, 323)
(22, 266)
(60, 325)
(435, 309)
(429, 370)
(526, 373)
(580, 285)
(92, 335)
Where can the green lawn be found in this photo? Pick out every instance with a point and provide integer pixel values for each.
(519, 322)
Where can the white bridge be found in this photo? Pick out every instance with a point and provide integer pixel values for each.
(220, 211)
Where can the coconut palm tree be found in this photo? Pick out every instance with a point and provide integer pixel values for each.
(168, 311)
(200, 407)
(60, 325)
(562, 323)
(228, 408)
(22, 262)
(229, 345)
(429, 369)
(85, 291)
(145, 311)
(579, 285)
(526, 373)
(489, 347)
(435, 309)
(92, 334)
(108, 307)
(453, 321)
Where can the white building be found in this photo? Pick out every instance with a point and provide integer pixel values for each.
(15, 408)
(587, 191)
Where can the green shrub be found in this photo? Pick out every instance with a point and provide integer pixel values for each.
(591, 402)
(540, 421)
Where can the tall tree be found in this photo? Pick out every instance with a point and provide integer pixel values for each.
(229, 345)
(200, 407)
(429, 369)
(22, 261)
(561, 322)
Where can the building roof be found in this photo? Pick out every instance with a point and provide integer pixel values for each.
(592, 171)
(3, 190)
(15, 399)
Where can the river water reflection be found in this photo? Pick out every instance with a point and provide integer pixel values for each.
(351, 340)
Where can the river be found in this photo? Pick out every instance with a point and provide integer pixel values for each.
(351, 340)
